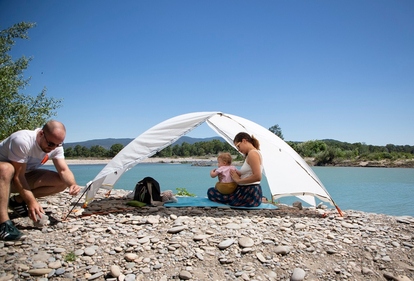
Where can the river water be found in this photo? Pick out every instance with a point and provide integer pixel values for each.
(374, 190)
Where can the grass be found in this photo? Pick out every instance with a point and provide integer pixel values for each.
(184, 192)
(70, 257)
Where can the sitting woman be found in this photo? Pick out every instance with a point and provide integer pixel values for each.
(248, 192)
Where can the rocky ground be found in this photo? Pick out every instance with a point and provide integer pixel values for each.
(111, 241)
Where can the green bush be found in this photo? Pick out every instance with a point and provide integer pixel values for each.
(325, 157)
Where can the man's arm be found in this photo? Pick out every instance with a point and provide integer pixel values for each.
(23, 188)
(66, 175)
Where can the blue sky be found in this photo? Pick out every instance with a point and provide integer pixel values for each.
(320, 69)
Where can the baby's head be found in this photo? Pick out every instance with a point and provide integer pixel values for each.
(224, 159)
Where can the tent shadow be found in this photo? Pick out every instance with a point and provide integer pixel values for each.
(112, 205)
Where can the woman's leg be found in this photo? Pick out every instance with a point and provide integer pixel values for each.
(214, 195)
(247, 196)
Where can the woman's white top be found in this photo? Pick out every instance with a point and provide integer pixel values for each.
(246, 170)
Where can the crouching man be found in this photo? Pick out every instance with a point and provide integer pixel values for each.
(21, 155)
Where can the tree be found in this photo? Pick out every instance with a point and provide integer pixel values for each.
(69, 152)
(275, 129)
(311, 148)
(97, 151)
(77, 151)
(115, 148)
(17, 110)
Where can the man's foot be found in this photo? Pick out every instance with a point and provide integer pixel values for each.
(19, 209)
(9, 232)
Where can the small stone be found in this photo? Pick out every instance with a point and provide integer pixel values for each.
(94, 269)
(96, 276)
(246, 250)
(185, 275)
(246, 242)
(39, 271)
(386, 258)
(115, 271)
(233, 226)
(225, 244)
(60, 271)
(177, 229)
(261, 258)
(131, 256)
(347, 225)
(199, 256)
(300, 226)
(129, 277)
(282, 250)
(298, 275)
(143, 240)
(55, 265)
(89, 251)
(41, 222)
(59, 250)
(367, 271)
(79, 252)
(331, 251)
(39, 265)
(297, 204)
(408, 245)
(200, 237)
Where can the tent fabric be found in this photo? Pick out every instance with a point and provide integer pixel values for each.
(286, 172)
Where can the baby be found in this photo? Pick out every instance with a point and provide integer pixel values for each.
(225, 185)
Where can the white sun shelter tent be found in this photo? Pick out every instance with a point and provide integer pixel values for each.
(286, 172)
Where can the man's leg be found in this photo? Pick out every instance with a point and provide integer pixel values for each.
(7, 230)
(43, 183)
(6, 175)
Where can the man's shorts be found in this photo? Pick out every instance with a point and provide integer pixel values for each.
(31, 178)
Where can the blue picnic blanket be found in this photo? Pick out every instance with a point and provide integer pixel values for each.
(205, 202)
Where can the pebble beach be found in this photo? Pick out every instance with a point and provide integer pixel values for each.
(109, 240)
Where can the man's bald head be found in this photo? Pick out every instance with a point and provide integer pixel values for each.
(55, 131)
(53, 127)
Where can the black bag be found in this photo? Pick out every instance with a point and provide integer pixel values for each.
(148, 191)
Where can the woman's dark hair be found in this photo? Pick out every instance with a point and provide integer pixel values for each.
(245, 136)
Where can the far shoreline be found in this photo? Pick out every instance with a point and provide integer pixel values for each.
(155, 160)
(211, 161)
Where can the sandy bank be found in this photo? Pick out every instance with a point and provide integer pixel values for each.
(148, 160)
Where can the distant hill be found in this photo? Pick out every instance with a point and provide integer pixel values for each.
(107, 143)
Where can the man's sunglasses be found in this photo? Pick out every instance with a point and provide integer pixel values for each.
(52, 144)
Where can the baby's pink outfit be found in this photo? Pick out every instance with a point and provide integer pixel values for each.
(225, 171)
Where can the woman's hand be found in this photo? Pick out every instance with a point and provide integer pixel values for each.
(235, 176)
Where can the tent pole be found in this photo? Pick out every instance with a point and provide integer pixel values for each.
(74, 205)
(339, 210)
(341, 214)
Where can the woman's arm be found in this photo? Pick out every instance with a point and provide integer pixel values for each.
(254, 161)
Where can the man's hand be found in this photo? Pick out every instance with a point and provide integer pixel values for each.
(74, 189)
(35, 208)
